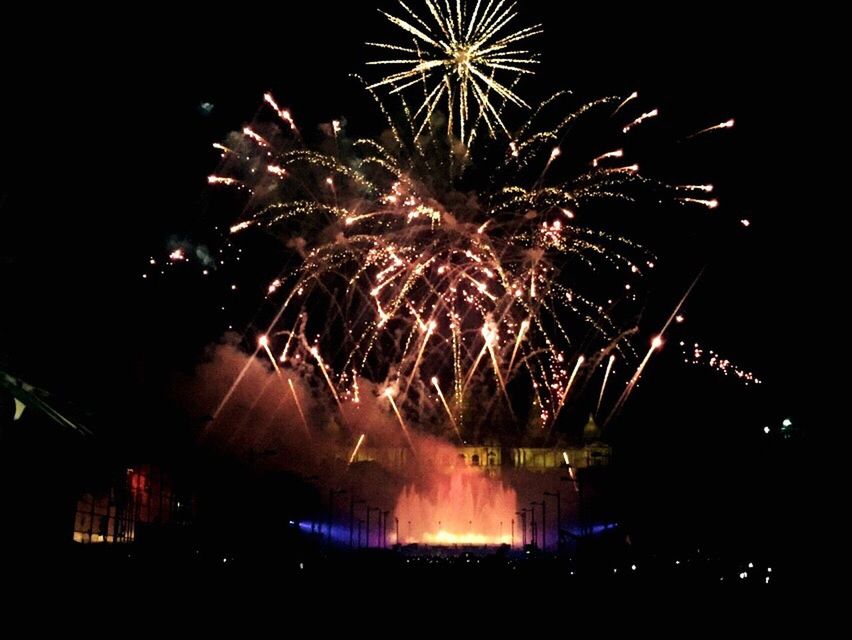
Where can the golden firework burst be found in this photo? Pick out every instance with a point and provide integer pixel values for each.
(456, 57)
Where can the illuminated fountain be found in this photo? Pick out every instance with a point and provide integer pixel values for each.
(464, 507)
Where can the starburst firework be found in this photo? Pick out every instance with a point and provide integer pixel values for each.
(456, 57)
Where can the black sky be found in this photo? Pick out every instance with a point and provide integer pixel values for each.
(106, 153)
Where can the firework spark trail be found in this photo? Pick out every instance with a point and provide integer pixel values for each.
(603, 386)
(235, 384)
(656, 345)
(437, 385)
(282, 113)
(728, 124)
(696, 355)
(414, 369)
(264, 342)
(632, 96)
(389, 396)
(645, 116)
(299, 406)
(318, 358)
(568, 386)
(357, 446)
(525, 325)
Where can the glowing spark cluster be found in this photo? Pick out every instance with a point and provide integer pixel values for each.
(456, 53)
(459, 302)
(696, 355)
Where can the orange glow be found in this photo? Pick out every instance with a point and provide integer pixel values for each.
(464, 508)
(446, 538)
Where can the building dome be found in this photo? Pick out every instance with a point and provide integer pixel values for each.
(591, 432)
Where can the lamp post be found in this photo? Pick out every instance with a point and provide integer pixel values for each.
(533, 505)
(367, 533)
(352, 503)
(558, 516)
(385, 515)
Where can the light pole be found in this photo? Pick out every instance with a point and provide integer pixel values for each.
(385, 515)
(367, 534)
(352, 503)
(534, 525)
(558, 516)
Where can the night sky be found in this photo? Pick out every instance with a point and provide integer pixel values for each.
(106, 150)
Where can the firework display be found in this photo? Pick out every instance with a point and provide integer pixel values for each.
(451, 274)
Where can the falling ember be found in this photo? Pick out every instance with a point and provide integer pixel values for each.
(283, 114)
(710, 204)
(632, 96)
(254, 136)
(276, 170)
(221, 180)
(606, 156)
(641, 119)
(571, 473)
(177, 255)
(273, 286)
(745, 223)
(241, 226)
(728, 124)
(357, 446)
(706, 188)
(697, 355)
